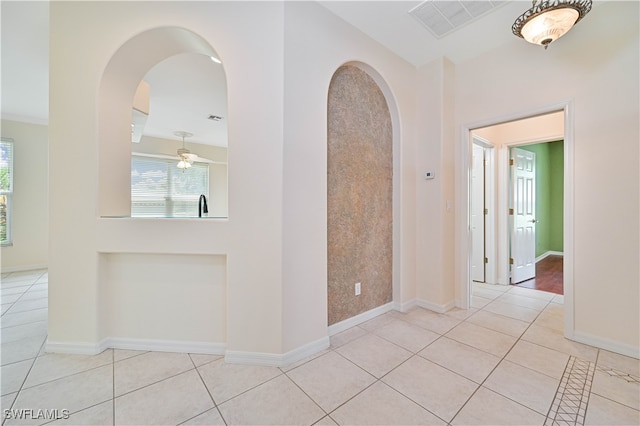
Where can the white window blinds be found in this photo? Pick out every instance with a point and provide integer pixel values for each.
(6, 190)
(160, 189)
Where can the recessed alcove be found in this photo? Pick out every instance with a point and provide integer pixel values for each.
(360, 188)
(164, 301)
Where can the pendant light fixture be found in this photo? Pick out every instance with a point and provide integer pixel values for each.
(548, 20)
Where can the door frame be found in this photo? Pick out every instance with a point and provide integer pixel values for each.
(490, 239)
(463, 216)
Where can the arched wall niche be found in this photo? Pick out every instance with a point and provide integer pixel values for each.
(394, 111)
(379, 284)
(118, 85)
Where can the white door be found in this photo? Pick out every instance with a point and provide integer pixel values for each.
(523, 229)
(477, 215)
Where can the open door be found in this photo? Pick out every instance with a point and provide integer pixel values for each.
(522, 214)
(477, 215)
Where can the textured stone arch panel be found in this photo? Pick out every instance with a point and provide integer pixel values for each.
(359, 194)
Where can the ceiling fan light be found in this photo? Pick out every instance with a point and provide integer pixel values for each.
(548, 20)
(183, 153)
(183, 164)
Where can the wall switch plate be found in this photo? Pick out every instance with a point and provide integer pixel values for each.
(358, 288)
(429, 175)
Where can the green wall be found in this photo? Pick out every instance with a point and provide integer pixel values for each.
(549, 195)
(556, 191)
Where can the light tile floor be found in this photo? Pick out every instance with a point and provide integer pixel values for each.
(504, 361)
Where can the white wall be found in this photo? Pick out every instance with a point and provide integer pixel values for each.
(317, 43)
(435, 198)
(166, 298)
(597, 71)
(29, 227)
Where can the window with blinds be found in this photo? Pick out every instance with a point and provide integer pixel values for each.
(160, 189)
(6, 190)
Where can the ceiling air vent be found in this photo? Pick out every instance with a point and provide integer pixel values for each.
(444, 17)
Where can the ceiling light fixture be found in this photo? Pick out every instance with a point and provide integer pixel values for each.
(548, 20)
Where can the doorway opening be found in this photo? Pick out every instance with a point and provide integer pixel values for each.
(529, 202)
(545, 221)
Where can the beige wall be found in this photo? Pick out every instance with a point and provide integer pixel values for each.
(543, 128)
(29, 226)
(596, 71)
(435, 206)
(148, 310)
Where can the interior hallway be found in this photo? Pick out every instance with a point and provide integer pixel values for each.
(504, 361)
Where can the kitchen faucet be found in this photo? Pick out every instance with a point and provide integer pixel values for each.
(202, 208)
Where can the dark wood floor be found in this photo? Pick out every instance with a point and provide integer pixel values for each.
(548, 276)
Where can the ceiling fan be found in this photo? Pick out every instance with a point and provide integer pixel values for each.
(185, 156)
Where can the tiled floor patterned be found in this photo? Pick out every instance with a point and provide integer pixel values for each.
(504, 361)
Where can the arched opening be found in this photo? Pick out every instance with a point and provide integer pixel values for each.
(122, 75)
(360, 194)
(179, 152)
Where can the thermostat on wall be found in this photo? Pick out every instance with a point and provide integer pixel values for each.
(429, 175)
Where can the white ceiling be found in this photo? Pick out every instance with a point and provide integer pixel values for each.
(390, 23)
(186, 89)
(25, 61)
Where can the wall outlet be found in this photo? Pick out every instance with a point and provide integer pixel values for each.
(357, 289)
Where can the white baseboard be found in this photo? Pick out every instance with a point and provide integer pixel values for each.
(406, 306)
(441, 309)
(277, 360)
(233, 357)
(76, 348)
(136, 344)
(24, 268)
(607, 344)
(192, 347)
(549, 253)
(360, 318)
(253, 358)
(305, 351)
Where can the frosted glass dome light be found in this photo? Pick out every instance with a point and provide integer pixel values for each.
(547, 21)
